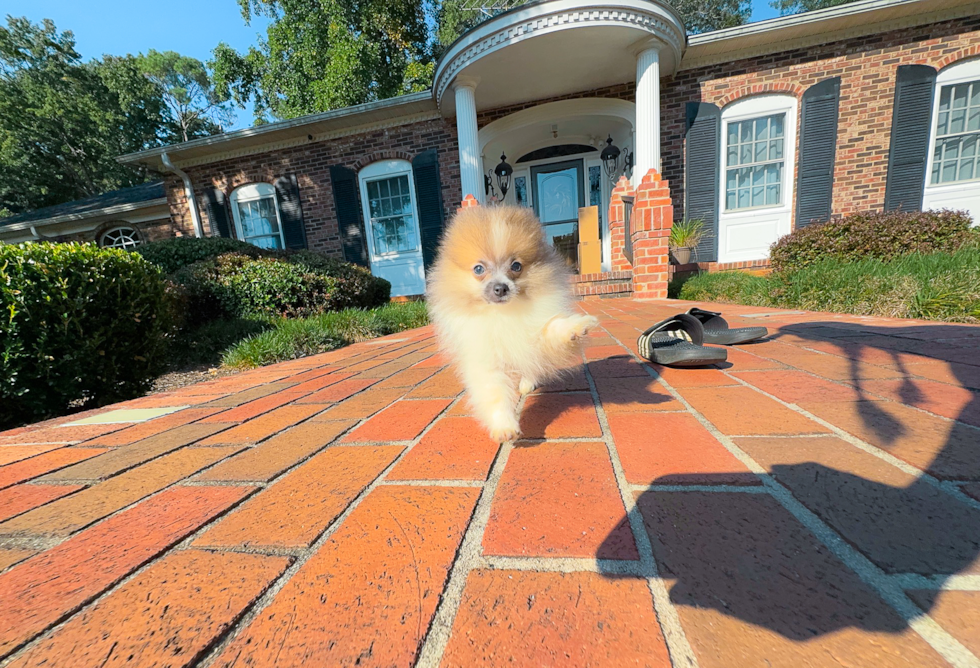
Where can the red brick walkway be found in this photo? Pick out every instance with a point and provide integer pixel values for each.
(814, 503)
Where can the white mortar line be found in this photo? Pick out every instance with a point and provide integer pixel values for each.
(681, 653)
(936, 636)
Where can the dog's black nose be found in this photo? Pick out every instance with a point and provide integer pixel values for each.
(500, 289)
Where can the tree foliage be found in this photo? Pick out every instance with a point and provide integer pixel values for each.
(705, 15)
(786, 7)
(319, 55)
(195, 108)
(63, 121)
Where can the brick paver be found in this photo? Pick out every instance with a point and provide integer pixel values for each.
(815, 501)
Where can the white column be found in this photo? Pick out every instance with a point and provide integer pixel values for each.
(647, 112)
(470, 167)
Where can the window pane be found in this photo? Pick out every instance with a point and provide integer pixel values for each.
(761, 129)
(758, 196)
(761, 151)
(732, 155)
(372, 189)
(758, 176)
(520, 190)
(957, 121)
(773, 173)
(733, 133)
(730, 200)
(949, 171)
(746, 131)
(746, 154)
(392, 219)
(966, 169)
(973, 120)
(772, 195)
(732, 179)
(960, 94)
(944, 97)
(743, 198)
(777, 126)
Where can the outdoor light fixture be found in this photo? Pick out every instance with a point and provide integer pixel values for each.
(610, 160)
(503, 172)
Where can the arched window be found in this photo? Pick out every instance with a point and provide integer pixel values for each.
(121, 236)
(953, 169)
(956, 125)
(256, 213)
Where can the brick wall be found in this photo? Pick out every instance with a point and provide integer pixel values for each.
(311, 163)
(867, 68)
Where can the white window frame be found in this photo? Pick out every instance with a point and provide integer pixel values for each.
(250, 193)
(780, 215)
(750, 109)
(380, 171)
(122, 226)
(963, 72)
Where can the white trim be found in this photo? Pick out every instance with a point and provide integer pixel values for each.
(820, 26)
(253, 192)
(549, 16)
(94, 213)
(554, 112)
(122, 226)
(955, 194)
(781, 215)
(380, 170)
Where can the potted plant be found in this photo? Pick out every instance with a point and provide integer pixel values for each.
(684, 237)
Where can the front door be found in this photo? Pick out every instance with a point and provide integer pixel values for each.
(392, 222)
(557, 194)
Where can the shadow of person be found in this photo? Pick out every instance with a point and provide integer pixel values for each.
(747, 557)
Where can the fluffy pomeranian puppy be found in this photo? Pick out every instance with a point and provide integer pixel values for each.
(500, 300)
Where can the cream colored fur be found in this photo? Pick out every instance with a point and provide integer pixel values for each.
(502, 350)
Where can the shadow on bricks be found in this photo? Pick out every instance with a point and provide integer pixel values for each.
(731, 556)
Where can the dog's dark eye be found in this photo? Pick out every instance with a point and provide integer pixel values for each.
(516, 267)
(478, 270)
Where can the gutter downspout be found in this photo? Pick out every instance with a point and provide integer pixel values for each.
(188, 193)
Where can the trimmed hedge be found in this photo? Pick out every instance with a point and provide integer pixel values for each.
(79, 326)
(237, 286)
(172, 255)
(881, 236)
(271, 283)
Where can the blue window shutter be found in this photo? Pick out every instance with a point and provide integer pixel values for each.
(911, 125)
(217, 207)
(348, 208)
(702, 180)
(818, 148)
(428, 192)
(290, 211)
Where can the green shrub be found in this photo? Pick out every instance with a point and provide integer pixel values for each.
(237, 286)
(733, 287)
(292, 339)
(354, 286)
(357, 287)
(882, 236)
(937, 286)
(172, 255)
(79, 325)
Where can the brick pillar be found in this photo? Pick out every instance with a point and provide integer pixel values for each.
(469, 201)
(617, 224)
(652, 218)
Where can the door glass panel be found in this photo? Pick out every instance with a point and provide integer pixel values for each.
(392, 217)
(520, 191)
(558, 196)
(564, 237)
(595, 192)
(260, 225)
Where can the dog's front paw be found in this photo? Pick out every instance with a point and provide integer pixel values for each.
(580, 325)
(504, 429)
(526, 386)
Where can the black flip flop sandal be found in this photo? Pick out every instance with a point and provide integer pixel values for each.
(676, 341)
(716, 329)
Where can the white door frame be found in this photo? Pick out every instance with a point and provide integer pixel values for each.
(408, 262)
(768, 223)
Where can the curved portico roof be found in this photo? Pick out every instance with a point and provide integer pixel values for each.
(549, 48)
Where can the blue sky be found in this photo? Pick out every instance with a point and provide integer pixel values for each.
(191, 27)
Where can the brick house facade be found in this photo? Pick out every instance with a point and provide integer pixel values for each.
(866, 44)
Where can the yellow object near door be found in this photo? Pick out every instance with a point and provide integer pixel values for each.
(589, 248)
